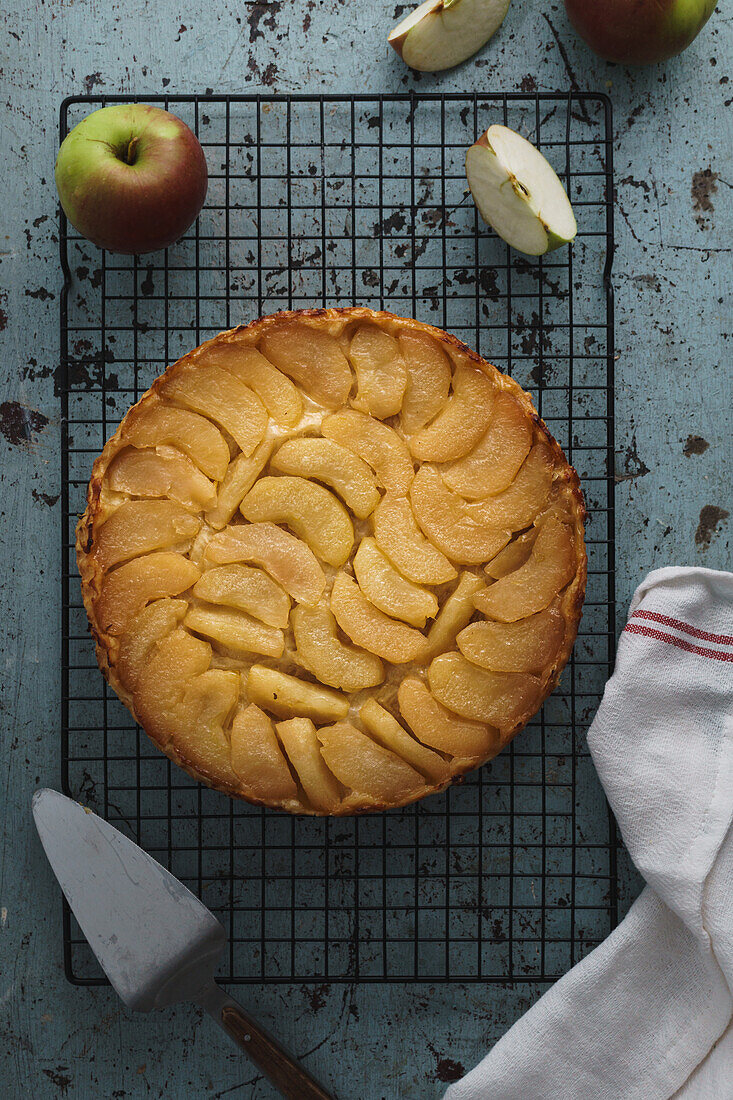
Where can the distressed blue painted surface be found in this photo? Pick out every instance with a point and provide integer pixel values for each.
(673, 402)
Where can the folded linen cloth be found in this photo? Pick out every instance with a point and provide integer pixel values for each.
(648, 1015)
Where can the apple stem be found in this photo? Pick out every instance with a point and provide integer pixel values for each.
(129, 156)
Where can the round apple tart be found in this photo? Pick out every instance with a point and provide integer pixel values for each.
(332, 560)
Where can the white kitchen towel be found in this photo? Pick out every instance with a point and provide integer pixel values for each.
(648, 1015)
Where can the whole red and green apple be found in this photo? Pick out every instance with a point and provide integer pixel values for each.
(639, 32)
(131, 178)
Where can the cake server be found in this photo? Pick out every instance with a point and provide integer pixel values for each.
(156, 942)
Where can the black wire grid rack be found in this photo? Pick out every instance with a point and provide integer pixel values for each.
(314, 200)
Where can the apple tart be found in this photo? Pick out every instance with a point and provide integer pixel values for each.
(332, 560)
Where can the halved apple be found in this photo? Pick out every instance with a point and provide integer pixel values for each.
(398, 536)
(326, 461)
(500, 698)
(139, 526)
(376, 443)
(131, 586)
(437, 727)
(153, 422)
(518, 193)
(428, 380)
(388, 590)
(219, 395)
(298, 738)
(381, 373)
(388, 731)
(246, 589)
(365, 767)
(528, 645)
(550, 566)
(241, 475)
(163, 472)
(462, 421)
(321, 651)
(518, 505)
(370, 628)
(313, 359)
(285, 557)
(276, 392)
(445, 519)
(455, 613)
(258, 759)
(236, 631)
(287, 696)
(443, 33)
(311, 511)
(494, 462)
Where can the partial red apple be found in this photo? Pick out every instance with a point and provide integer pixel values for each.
(639, 32)
(131, 178)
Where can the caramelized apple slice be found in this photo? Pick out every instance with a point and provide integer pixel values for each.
(131, 586)
(387, 730)
(171, 666)
(388, 590)
(236, 631)
(331, 661)
(139, 526)
(494, 462)
(164, 472)
(287, 696)
(437, 727)
(204, 714)
(518, 505)
(246, 589)
(513, 555)
(311, 511)
(444, 518)
(398, 536)
(152, 422)
(313, 359)
(428, 380)
(370, 628)
(322, 459)
(219, 395)
(367, 768)
(381, 373)
(374, 442)
(528, 645)
(454, 614)
(533, 586)
(258, 759)
(502, 699)
(298, 738)
(241, 475)
(276, 392)
(463, 420)
(286, 558)
(154, 623)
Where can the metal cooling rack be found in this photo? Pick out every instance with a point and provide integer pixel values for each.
(510, 875)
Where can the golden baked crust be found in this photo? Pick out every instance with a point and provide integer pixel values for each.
(273, 526)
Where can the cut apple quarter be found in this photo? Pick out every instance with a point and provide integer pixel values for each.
(236, 631)
(311, 511)
(442, 33)
(518, 193)
(388, 590)
(381, 373)
(462, 421)
(369, 627)
(500, 698)
(374, 442)
(240, 477)
(528, 645)
(258, 759)
(367, 768)
(313, 359)
(437, 727)
(246, 589)
(398, 536)
(287, 696)
(494, 462)
(327, 461)
(333, 662)
(300, 741)
(455, 613)
(550, 566)
(428, 380)
(286, 558)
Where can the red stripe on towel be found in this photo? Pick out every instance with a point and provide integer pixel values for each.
(632, 628)
(721, 639)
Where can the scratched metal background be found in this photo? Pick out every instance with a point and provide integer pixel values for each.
(674, 133)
